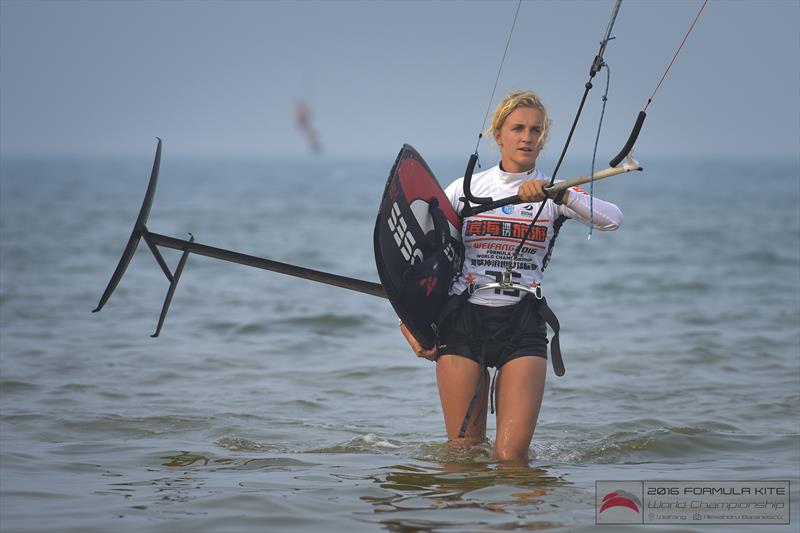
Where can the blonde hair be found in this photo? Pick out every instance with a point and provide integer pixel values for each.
(514, 100)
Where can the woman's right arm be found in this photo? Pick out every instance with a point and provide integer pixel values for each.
(430, 355)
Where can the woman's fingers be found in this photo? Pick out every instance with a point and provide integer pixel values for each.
(532, 190)
(431, 354)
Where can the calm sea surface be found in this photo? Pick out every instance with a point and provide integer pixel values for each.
(274, 403)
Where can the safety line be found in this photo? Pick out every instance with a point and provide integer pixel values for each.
(676, 54)
(497, 79)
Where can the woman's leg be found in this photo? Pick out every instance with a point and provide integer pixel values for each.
(520, 387)
(457, 378)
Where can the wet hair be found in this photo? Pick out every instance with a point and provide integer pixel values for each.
(514, 100)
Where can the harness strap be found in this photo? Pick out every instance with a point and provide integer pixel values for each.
(555, 348)
(491, 391)
(472, 403)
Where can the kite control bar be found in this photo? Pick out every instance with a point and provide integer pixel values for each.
(154, 240)
(487, 204)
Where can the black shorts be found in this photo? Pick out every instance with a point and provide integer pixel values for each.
(496, 334)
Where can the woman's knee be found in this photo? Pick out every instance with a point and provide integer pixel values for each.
(511, 455)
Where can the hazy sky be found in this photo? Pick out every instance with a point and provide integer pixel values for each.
(221, 78)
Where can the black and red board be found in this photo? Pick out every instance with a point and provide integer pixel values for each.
(417, 243)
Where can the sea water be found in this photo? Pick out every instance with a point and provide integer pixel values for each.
(280, 404)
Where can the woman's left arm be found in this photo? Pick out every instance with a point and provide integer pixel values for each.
(574, 204)
(606, 216)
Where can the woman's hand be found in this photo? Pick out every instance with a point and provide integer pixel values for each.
(533, 191)
(430, 355)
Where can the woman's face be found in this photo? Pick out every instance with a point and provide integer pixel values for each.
(518, 139)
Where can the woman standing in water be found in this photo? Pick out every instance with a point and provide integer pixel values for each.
(504, 329)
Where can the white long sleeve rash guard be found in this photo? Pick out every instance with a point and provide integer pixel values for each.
(491, 238)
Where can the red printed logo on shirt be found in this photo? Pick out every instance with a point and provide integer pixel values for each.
(498, 228)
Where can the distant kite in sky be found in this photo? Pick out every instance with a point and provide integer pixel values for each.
(302, 115)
